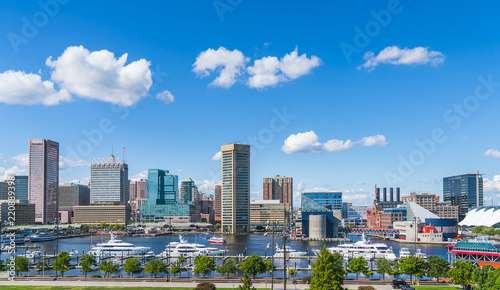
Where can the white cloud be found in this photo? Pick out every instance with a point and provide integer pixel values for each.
(492, 185)
(141, 175)
(308, 142)
(217, 156)
(20, 88)
(373, 141)
(14, 170)
(165, 97)
(65, 163)
(229, 63)
(100, 76)
(406, 56)
(492, 153)
(180, 170)
(269, 71)
(21, 160)
(265, 72)
(206, 186)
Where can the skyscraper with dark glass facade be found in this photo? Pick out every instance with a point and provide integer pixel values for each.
(464, 191)
(43, 180)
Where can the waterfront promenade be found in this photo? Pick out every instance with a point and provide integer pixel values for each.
(159, 282)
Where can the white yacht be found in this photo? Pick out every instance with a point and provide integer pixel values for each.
(404, 253)
(278, 252)
(115, 247)
(32, 255)
(420, 254)
(189, 249)
(365, 249)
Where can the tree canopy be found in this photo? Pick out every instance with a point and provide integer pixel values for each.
(328, 271)
(253, 265)
(203, 265)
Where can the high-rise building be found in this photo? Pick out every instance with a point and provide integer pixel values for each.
(464, 191)
(71, 195)
(109, 181)
(43, 180)
(235, 163)
(217, 204)
(21, 188)
(188, 190)
(279, 188)
(138, 189)
(162, 187)
(162, 203)
(4, 190)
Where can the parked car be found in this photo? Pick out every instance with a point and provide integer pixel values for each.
(407, 287)
(398, 283)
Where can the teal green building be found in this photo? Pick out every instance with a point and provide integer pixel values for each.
(162, 201)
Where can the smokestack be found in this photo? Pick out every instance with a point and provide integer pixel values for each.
(377, 194)
(398, 194)
(385, 194)
(391, 194)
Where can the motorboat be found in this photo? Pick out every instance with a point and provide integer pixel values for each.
(8, 239)
(365, 249)
(149, 254)
(217, 240)
(32, 255)
(115, 247)
(279, 252)
(420, 254)
(189, 249)
(41, 237)
(73, 254)
(404, 253)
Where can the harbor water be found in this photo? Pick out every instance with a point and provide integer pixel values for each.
(245, 245)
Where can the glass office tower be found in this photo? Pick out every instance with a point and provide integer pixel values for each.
(464, 191)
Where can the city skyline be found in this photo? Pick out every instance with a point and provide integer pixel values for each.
(333, 104)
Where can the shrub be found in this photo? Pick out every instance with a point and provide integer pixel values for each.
(307, 279)
(205, 286)
(96, 276)
(366, 288)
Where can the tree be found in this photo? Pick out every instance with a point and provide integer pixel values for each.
(412, 266)
(483, 277)
(253, 265)
(155, 267)
(437, 267)
(22, 264)
(229, 267)
(108, 267)
(247, 283)
(61, 263)
(270, 267)
(103, 225)
(461, 273)
(132, 266)
(383, 266)
(86, 263)
(203, 265)
(3, 266)
(42, 266)
(292, 272)
(176, 268)
(328, 272)
(217, 226)
(358, 265)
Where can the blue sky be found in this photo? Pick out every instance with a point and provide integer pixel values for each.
(424, 61)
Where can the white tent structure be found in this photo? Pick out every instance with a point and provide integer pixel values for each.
(482, 216)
